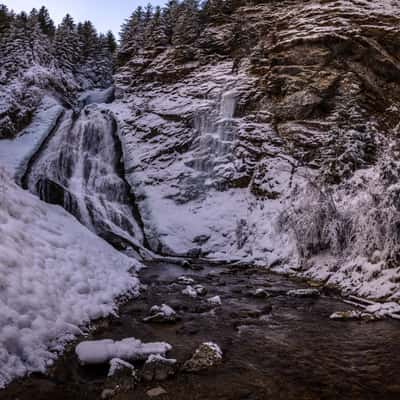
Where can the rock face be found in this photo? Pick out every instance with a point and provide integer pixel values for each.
(288, 157)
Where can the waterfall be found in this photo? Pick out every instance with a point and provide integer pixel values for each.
(80, 169)
(228, 104)
(216, 133)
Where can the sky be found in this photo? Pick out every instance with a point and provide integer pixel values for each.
(105, 14)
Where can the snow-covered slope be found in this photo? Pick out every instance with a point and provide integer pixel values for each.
(55, 277)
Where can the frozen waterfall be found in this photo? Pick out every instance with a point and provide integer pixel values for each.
(216, 133)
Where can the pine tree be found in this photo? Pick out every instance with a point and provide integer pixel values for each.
(132, 36)
(103, 62)
(111, 43)
(46, 23)
(170, 15)
(6, 19)
(87, 36)
(39, 43)
(17, 49)
(187, 27)
(66, 45)
(213, 12)
(154, 35)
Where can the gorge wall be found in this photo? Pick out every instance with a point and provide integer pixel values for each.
(280, 148)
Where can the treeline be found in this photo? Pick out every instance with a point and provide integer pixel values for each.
(32, 39)
(178, 24)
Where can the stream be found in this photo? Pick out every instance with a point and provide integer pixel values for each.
(279, 347)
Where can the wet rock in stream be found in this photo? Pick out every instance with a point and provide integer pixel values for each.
(162, 314)
(158, 368)
(206, 356)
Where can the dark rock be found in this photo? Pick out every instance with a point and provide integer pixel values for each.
(158, 368)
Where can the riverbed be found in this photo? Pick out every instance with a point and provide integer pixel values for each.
(274, 347)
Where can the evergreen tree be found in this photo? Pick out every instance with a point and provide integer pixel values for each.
(111, 43)
(213, 11)
(87, 36)
(187, 27)
(6, 19)
(170, 15)
(39, 43)
(17, 49)
(155, 36)
(46, 23)
(66, 45)
(132, 36)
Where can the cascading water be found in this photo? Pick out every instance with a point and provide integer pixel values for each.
(216, 130)
(80, 169)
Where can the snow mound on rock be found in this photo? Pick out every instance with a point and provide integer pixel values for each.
(100, 351)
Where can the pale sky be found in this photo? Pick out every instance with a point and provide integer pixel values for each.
(105, 14)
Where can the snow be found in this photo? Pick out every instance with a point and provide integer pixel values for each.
(97, 96)
(189, 291)
(184, 280)
(177, 191)
(15, 153)
(100, 351)
(216, 349)
(383, 309)
(55, 277)
(157, 358)
(215, 301)
(165, 310)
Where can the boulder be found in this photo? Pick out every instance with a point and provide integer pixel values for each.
(161, 314)
(158, 368)
(206, 356)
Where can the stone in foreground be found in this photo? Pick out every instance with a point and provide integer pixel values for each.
(353, 315)
(161, 314)
(155, 392)
(158, 368)
(206, 356)
(214, 301)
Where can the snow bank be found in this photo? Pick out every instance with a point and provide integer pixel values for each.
(100, 351)
(55, 276)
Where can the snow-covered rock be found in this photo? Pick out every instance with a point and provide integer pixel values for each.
(214, 301)
(200, 290)
(158, 368)
(116, 365)
(55, 277)
(353, 315)
(190, 291)
(163, 313)
(100, 351)
(207, 355)
(184, 280)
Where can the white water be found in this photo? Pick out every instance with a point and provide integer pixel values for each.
(79, 168)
